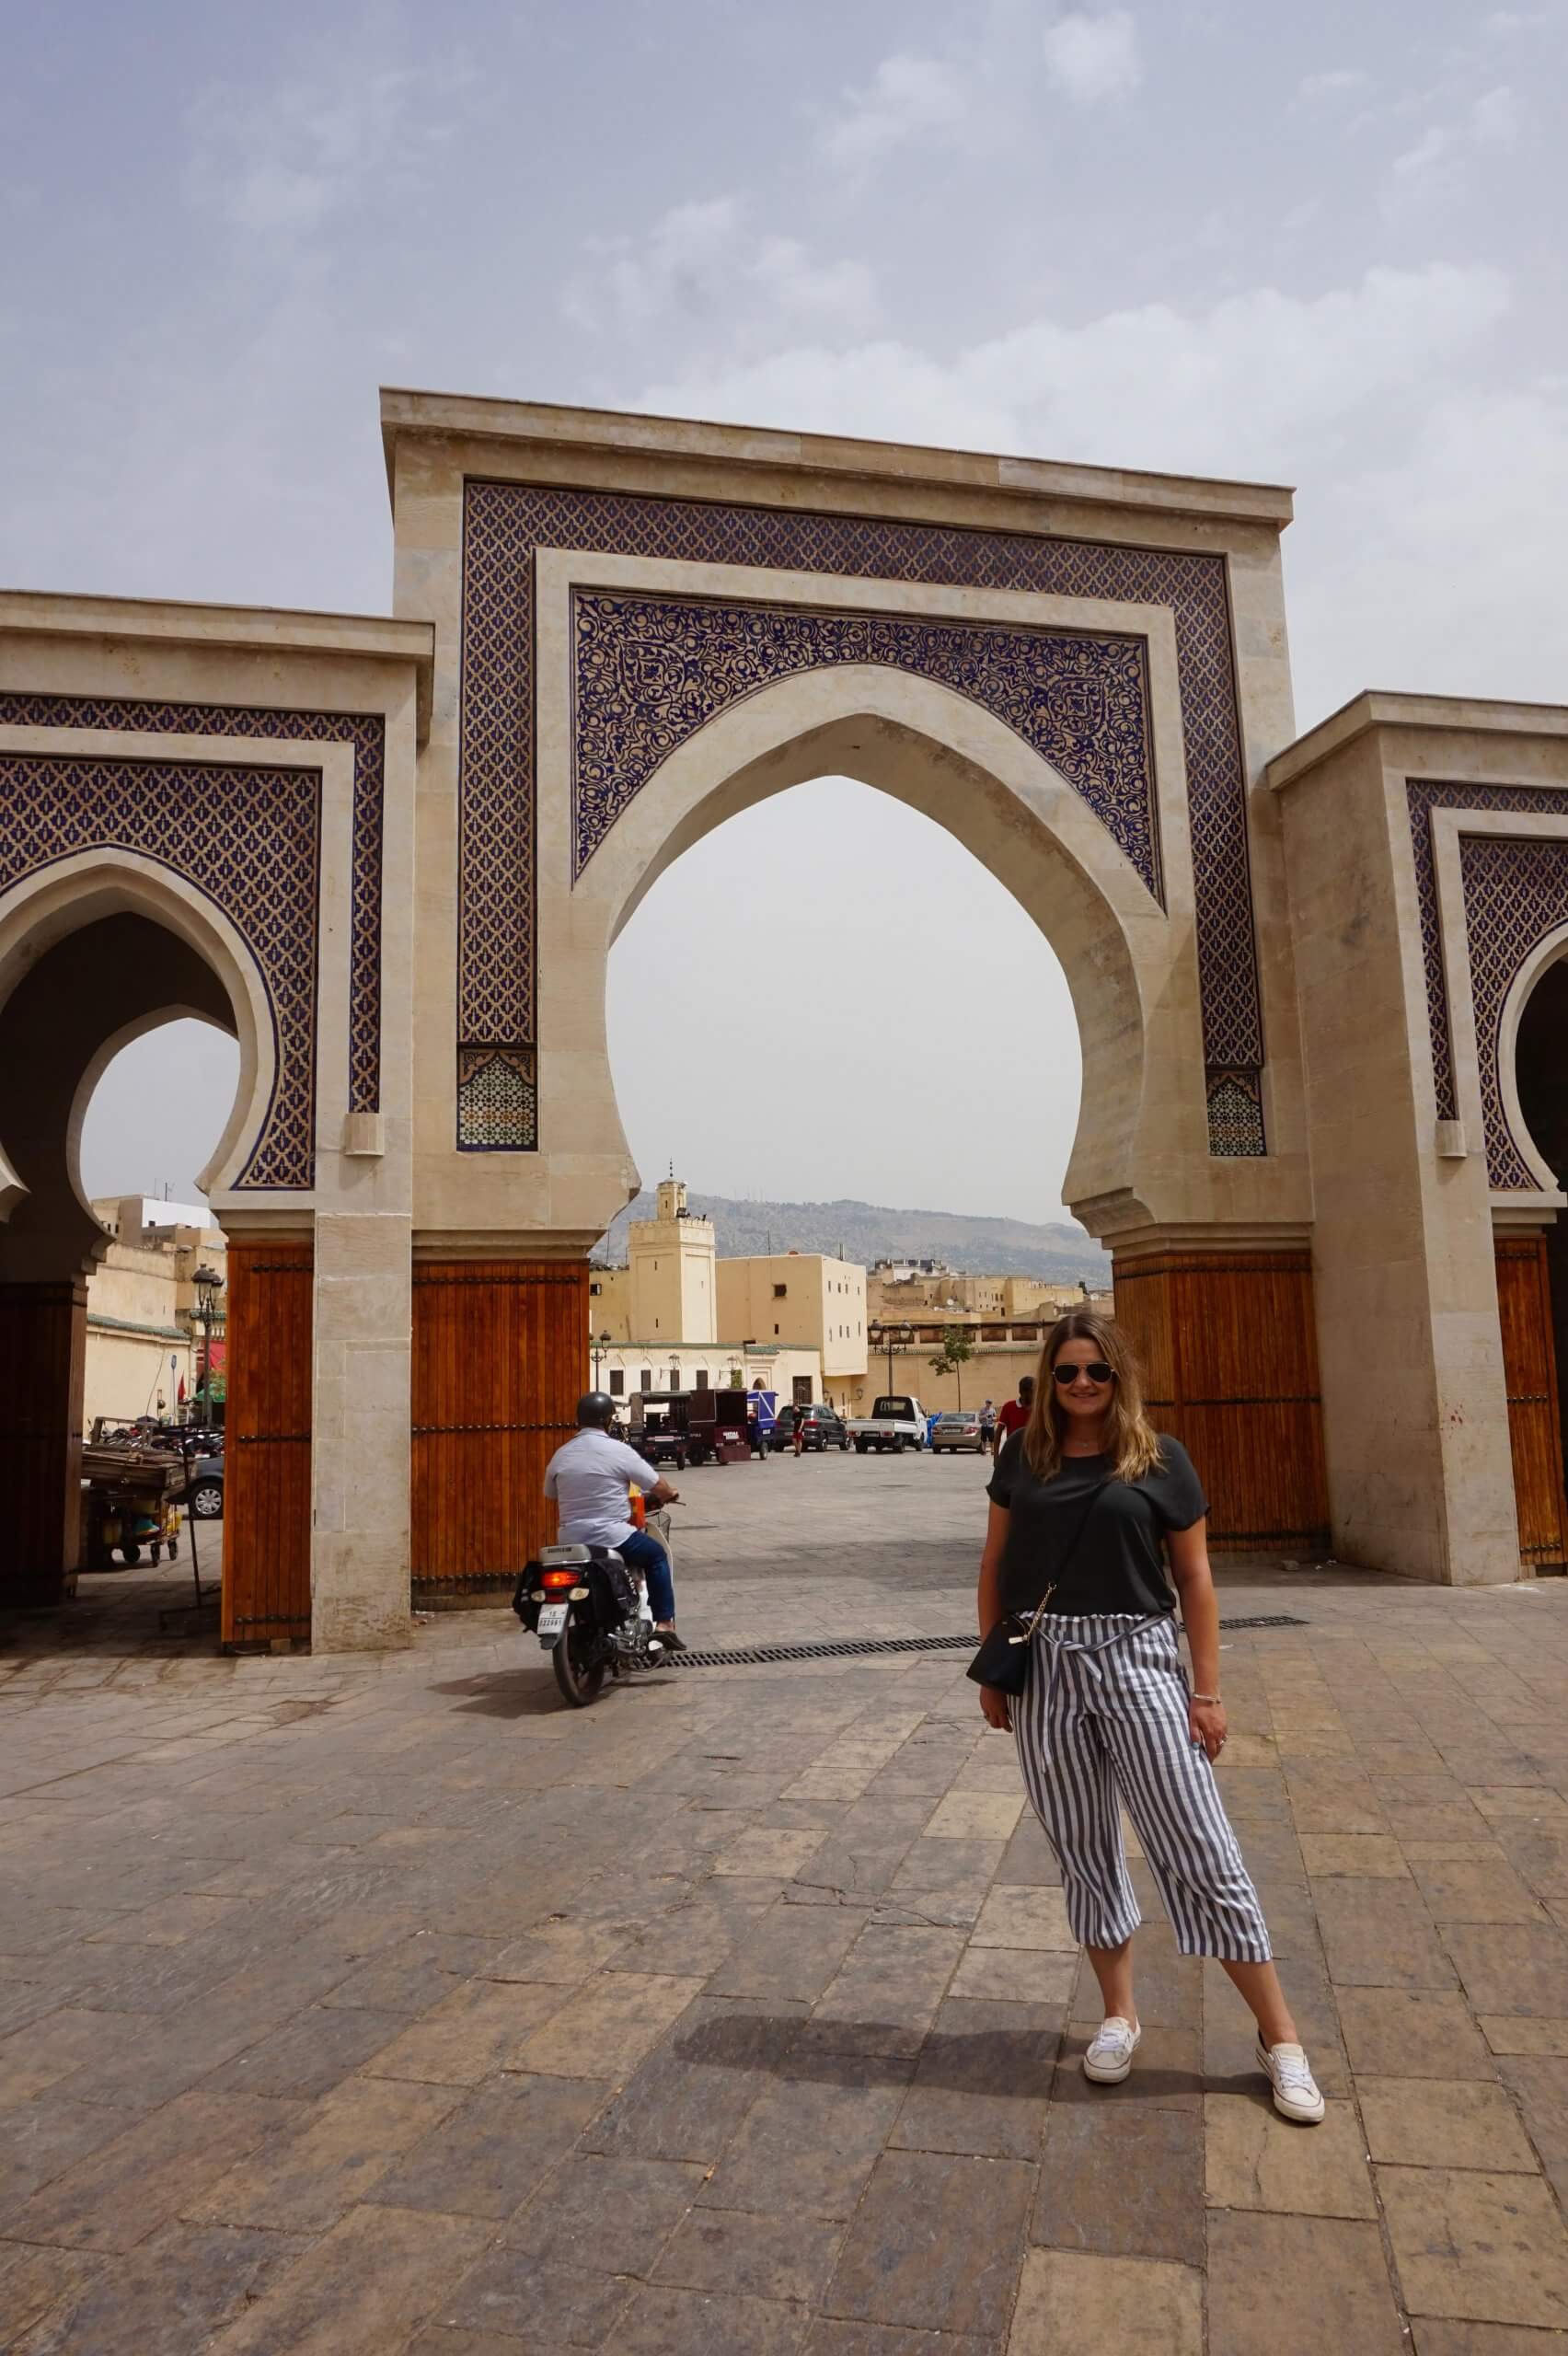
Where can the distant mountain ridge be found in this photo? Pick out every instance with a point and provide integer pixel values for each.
(1062, 1252)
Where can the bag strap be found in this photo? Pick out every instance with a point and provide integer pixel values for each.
(1083, 1521)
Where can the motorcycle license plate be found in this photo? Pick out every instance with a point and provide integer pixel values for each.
(552, 1619)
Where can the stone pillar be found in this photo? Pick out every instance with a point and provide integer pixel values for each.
(43, 1342)
(360, 1556)
(501, 1358)
(1229, 1353)
(1415, 1419)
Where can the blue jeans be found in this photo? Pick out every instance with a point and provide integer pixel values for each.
(643, 1552)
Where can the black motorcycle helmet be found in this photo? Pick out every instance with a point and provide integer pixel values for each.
(595, 1411)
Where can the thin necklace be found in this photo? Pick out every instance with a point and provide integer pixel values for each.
(1098, 1449)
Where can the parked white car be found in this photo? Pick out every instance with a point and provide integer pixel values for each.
(896, 1422)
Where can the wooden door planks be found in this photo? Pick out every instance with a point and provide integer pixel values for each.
(267, 1499)
(501, 1349)
(1534, 1424)
(1229, 1344)
(43, 1339)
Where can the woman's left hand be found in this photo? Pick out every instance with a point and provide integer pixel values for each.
(1206, 1720)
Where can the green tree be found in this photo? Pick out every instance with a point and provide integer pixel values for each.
(957, 1349)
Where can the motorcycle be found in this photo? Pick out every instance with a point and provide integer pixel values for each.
(590, 1612)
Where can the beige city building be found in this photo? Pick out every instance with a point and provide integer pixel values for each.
(144, 1340)
(805, 1299)
(1319, 983)
(679, 1316)
(668, 1290)
(911, 1289)
(623, 1368)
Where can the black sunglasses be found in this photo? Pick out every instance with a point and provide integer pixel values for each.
(1097, 1371)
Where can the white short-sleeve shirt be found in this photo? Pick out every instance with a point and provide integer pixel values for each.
(589, 1477)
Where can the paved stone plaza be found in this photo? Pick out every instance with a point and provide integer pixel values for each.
(384, 2003)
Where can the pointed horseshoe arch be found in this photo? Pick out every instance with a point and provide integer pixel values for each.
(936, 751)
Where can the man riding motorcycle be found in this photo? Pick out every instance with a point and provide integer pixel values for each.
(588, 1478)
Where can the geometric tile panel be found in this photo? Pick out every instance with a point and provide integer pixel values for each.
(497, 1099)
(505, 524)
(251, 840)
(1515, 893)
(647, 672)
(366, 732)
(1234, 1116)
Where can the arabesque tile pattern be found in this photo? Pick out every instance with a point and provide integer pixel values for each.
(506, 523)
(382, 2004)
(366, 732)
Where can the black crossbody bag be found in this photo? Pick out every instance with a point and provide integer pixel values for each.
(1003, 1657)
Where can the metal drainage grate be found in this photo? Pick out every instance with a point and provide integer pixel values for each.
(859, 1648)
(1268, 1620)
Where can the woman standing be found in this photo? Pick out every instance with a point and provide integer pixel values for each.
(1087, 1504)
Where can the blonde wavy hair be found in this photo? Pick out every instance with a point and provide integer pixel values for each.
(1134, 1443)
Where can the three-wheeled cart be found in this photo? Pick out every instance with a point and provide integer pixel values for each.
(131, 1501)
(659, 1428)
(717, 1427)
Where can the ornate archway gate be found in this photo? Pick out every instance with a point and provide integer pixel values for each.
(402, 850)
(642, 627)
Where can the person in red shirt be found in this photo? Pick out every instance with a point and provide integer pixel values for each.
(1016, 1414)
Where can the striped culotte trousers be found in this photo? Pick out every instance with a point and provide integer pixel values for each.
(1102, 1720)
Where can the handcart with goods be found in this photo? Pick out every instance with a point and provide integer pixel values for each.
(131, 1497)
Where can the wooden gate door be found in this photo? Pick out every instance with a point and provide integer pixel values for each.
(266, 1424)
(1229, 1344)
(1535, 1425)
(501, 1358)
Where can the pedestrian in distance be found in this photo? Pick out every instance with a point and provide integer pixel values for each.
(1097, 1524)
(1015, 1411)
(988, 1428)
(799, 1434)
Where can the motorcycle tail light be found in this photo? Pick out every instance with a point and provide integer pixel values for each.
(559, 1578)
(535, 1594)
(579, 1595)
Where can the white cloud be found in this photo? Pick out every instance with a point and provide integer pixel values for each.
(1090, 58)
(907, 97)
(279, 161)
(1418, 165)
(1339, 82)
(704, 267)
(1435, 165)
(1494, 119)
(1440, 571)
(1235, 388)
(1408, 481)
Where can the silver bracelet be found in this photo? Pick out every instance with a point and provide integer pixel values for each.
(1208, 1697)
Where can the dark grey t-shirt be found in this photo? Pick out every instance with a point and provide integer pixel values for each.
(1118, 1564)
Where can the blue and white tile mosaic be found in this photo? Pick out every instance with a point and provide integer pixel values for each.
(248, 837)
(505, 524)
(366, 732)
(1515, 893)
(649, 672)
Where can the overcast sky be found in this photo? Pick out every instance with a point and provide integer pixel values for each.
(1319, 246)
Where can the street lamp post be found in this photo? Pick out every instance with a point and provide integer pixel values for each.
(600, 1346)
(893, 1336)
(209, 1285)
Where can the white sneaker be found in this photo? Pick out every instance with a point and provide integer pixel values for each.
(1295, 2093)
(1111, 2050)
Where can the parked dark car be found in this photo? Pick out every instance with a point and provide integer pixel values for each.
(824, 1427)
(204, 1497)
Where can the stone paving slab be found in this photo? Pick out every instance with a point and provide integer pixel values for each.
(385, 2004)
